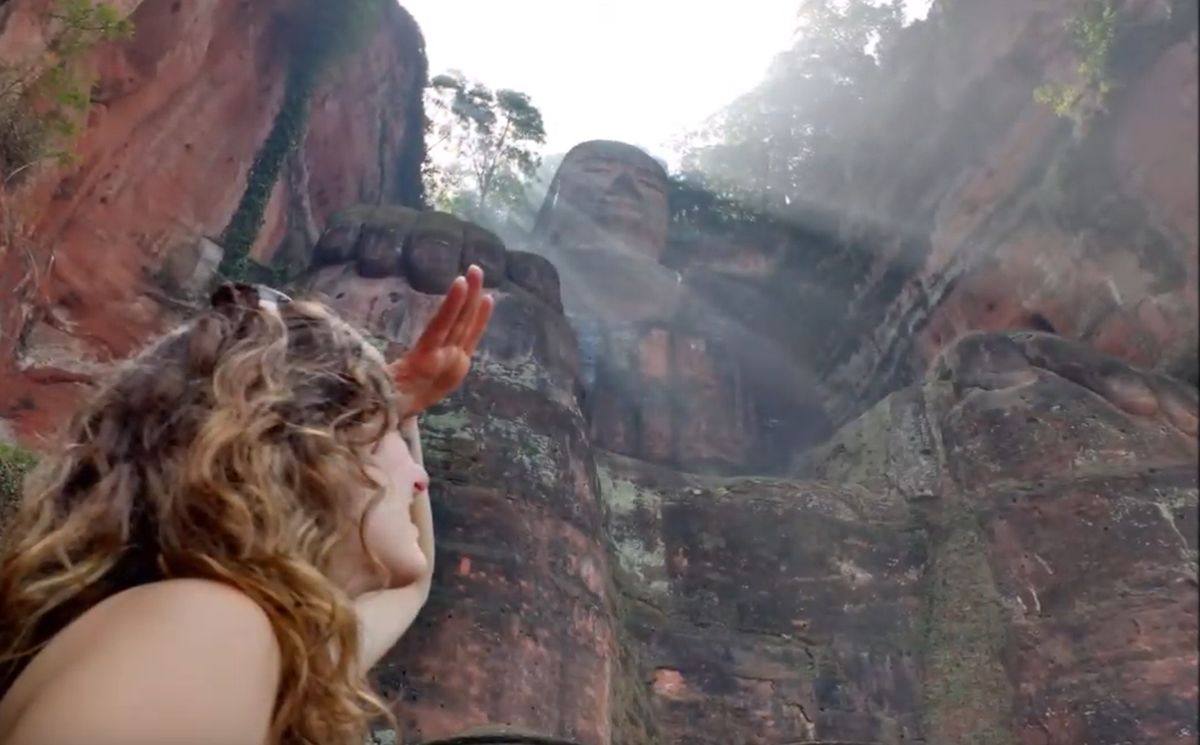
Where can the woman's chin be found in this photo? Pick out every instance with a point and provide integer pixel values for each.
(404, 573)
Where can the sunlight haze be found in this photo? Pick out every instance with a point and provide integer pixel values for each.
(643, 71)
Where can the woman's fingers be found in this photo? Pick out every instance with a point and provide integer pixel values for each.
(442, 355)
(460, 333)
(466, 321)
(474, 278)
(479, 325)
(456, 309)
(447, 315)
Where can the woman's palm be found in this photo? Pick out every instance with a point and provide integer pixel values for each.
(439, 361)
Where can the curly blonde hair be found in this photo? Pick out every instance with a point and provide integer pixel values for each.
(223, 452)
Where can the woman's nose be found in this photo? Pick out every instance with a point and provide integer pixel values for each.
(422, 482)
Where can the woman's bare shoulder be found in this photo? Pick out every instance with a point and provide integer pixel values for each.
(179, 661)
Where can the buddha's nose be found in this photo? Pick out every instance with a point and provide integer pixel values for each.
(624, 186)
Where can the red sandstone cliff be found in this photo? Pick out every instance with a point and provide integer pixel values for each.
(984, 210)
(1002, 554)
(96, 253)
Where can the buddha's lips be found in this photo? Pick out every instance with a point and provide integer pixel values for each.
(622, 208)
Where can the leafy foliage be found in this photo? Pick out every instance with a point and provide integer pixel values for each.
(14, 464)
(764, 147)
(41, 106)
(694, 206)
(1094, 31)
(489, 144)
(325, 33)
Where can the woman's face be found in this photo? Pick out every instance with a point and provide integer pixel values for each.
(388, 531)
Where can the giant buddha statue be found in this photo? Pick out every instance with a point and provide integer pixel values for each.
(669, 378)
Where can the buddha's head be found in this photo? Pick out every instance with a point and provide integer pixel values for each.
(607, 195)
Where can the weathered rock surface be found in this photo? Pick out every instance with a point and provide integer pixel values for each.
(976, 208)
(768, 611)
(1059, 496)
(1005, 554)
(95, 254)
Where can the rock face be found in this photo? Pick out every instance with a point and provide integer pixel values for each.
(670, 377)
(977, 208)
(1090, 540)
(96, 254)
(766, 610)
(1001, 555)
(883, 595)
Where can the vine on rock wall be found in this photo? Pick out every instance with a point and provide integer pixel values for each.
(326, 32)
(243, 228)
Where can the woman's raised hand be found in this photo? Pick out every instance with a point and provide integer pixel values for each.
(437, 364)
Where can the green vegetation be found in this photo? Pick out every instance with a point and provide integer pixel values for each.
(14, 464)
(790, 132)
(633, 719)
(286, 133)
(324, 33)
(693, 205)
(1094, 32)
(41, 106)
(488, 143)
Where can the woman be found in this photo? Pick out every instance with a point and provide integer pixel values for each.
(238, 530)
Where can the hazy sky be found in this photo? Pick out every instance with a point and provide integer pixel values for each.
(642, 71)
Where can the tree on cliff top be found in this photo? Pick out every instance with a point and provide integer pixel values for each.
(484, 147)
(789, 131)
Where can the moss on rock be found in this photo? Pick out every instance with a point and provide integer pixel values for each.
(15, 462)
(965, 632)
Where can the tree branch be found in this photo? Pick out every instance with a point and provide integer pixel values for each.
(485, 184)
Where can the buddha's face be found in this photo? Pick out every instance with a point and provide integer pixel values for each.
(612, 199)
